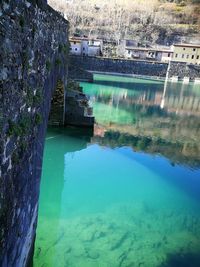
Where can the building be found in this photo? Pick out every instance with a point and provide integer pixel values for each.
(163, 55)
(166, 55)
(83, 46)
(188, 53)
(123, 45)
(95, 47)
(76, 46)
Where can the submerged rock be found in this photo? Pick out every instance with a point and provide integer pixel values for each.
(93, 254)
(120, 241)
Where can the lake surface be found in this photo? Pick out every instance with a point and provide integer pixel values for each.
(127, 194)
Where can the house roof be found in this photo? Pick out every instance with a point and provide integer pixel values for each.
(76, 39)
(136, 48)
(188, 45)
(148, 49)
(92, 45)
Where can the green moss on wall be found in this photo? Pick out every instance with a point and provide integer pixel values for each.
(33, 100)
(48, 65)
(38, 118)
(20, 128)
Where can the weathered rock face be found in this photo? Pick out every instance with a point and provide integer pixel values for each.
(34, 49)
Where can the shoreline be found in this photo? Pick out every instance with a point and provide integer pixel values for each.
(146, 77)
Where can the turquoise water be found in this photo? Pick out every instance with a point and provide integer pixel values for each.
(127, 194)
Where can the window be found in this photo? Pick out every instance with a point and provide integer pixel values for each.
(183, 48)
(74, 42)
(194, 49)
(182, 55)
(176, 55)
(198, 57)
(168, 54)
(83, 48)
(192, 56)
(75, 49)
(70, 48)
(187, 56)
(129, 51)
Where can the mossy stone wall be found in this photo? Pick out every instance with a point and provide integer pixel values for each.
(33, 45)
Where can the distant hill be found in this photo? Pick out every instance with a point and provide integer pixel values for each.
(148, 22)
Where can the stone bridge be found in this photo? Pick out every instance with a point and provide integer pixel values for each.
(34, 59)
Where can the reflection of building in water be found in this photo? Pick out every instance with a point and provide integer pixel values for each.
(143, 124)
(111, 99)
(149, 98)
(174, 98)
(179, 102)
(173, 101)
(183, 105)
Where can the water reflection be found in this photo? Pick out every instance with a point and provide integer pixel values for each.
(68, 141)
(102, 202)
(150, 116)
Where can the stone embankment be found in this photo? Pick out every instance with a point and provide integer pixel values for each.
(136, 67)
(78, 73)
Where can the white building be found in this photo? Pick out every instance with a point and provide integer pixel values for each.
(75, 46)
(83, 46)
(144, 53)
(166, 55)
(188, 53)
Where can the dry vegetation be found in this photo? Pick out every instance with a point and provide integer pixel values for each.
(147, 21)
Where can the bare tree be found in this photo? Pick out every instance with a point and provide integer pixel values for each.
(137, 19)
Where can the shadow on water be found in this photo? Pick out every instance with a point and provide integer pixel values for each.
(68, 140)
(182, 260)
(76, 132)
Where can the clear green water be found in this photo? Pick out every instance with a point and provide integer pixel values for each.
(127, 194)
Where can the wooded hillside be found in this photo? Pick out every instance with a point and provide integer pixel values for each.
(149, 22)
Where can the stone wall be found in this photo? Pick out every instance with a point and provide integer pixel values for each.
(57, 112)
(34, 49)
(123, 66)
(136, 67)
(78, 73)
(184, 70)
